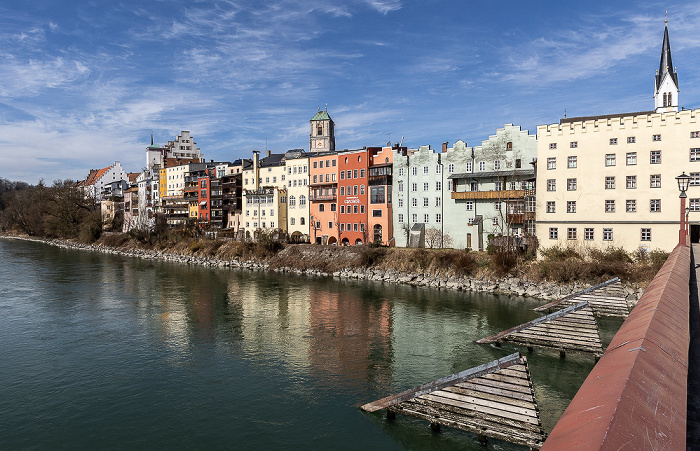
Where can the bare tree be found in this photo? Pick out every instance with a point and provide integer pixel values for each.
(433, 237)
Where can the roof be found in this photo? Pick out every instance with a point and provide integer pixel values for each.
(133, 176)
(321, 116)
(96, 174)
(665, 63)
(483, 175)
(274, 159)
(568, 120)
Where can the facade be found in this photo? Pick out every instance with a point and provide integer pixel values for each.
(350, 220)
(297, 164)
(610, 180)
(323, 197)
(182, 148)
(107, 182)
(265, 195)
(380, 223)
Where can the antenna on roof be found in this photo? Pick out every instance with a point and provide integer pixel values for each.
(401, 143)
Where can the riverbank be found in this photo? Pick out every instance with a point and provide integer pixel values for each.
(417, 267)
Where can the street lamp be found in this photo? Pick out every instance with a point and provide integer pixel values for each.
(683, 182)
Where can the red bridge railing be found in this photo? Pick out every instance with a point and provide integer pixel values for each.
(636, 396)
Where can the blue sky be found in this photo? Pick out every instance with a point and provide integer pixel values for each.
(83, 83)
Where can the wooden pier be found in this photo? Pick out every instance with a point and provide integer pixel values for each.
(606, 299)
(571, 329)
(495, 400)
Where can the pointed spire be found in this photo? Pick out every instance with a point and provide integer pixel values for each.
(666, 64)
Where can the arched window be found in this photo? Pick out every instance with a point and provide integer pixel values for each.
(377, 233)
(302, 200)
(292, 201)
(302, 220)
(319, 129)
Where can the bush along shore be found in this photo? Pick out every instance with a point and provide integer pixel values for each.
(559, 272)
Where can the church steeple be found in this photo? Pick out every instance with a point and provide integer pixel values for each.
(322, 136)
(666, 80)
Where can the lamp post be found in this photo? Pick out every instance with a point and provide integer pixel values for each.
(683, 182)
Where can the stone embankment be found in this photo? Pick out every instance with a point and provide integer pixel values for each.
(508, 285)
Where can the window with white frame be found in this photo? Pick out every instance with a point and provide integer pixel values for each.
(498, 186)
(694, 204)
(426, 186)
(588, 234)
(571, 206)
(631, 206)
(414, 170)
(495, 221)
(656, 138)
(426, 218)
(414, 187)
(553, 233)
(400, 217)
(552, 163)
(646, 234)
(573, 144)
(655, 157)
(437, 201)
(414, 202)
(654, 205)
(469, 205)
(631, 140)
(414, 218)
(607, 234)
(438, 218)
(695, 179)
(610, 206)
(425, 202)
(571, 233)
(468, 167)
(695, 134)
(482, 165)
(695, 154)
(610, 159)
(496, 165)
(551, 184)
(552, 145)
(425, 170)
(551, 206)
(631, 182)
(438, 169)
(655, 181)
(610, 182)
(450, 167)
(571, 184)
(631, 158)
(613, 141)
(572, 162)
(438, 186)
(497, 205)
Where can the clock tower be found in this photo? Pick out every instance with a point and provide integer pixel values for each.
(322, 137)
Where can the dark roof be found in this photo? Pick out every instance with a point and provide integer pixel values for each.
(321, 116)
(666, 64)
(274, 159)
(568, 120)
(484, 175)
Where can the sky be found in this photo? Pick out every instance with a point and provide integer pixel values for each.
(83, 83)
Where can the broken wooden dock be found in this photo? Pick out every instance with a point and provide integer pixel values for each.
(571, 329)
(606, 299)
(495, 400)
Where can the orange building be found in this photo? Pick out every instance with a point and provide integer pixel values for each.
(379, 214)
(323, 197)
(352, 197)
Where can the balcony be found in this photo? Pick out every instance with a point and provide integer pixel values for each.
(322, 197)
(492, 195)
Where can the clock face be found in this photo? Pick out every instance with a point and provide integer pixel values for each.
(319, 143)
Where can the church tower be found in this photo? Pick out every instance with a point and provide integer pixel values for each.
(666, 80)
(322, 137)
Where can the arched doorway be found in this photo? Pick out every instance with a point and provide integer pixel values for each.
(378, 233)
(345, 242)
(358, 242)
(297, 237)
(332, 241)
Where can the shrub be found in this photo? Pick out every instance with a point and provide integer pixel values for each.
(371, 255)
(462, 262)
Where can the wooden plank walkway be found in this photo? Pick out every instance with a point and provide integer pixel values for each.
(606, 299)
(495, 400)
(571, 329)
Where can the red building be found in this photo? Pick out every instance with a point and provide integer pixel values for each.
(352, 197)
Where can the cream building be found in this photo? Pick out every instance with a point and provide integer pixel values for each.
(297, 164)
(264, 195)
(610, 180)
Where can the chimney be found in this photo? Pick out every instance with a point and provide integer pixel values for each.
(256, 163)
(444, 146)
(268, 152)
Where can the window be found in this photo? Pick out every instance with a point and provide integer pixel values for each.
(552, 145)
(292, 201)
(496, 165)
(573, 144)
(468, 166)
(571, 206)
(342, 190)
(551, 208)
(656, 138)
(610, 159)
(571, 162)
(610, 206)
(333, 207)
(607, 234)
(451, 167)
(631, 140)
(482, 165)
(655, 157)
(438, 218)
(400, 202)
(425, 170)
(551, 163)
(437, 201)
(695, 134)
(426, 186)
(302, 221)
(330, 224)
(414, 202)
(426, 218)
(571, 233)
(631, 158)
(518, 163)
(646, 234)
(695, 179)
(400, 172)
(655, 205)
(400, 187)
(498, 186)
(438, 169)
(469, 205)
(342, 225)
(401, 217)
(414, 187)
(321, 207)
(655, 181)
(553, 233)
(571, 184)
(695, 154)
(425, 202)
(414, 217)
(495, 221)
(631, 206)
(631, 182)
(414, 171)
(551, 184)
(354, 209)
(610, 182)
(342, 209)
(694, 204)
(438, 186)
(362, 173)
(362, 189)
(497, 205)
(588, 234)
(613, 141)
(376, 213)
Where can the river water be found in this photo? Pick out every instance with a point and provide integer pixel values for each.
(102, 351)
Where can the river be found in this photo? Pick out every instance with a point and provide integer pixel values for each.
(109, 352)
